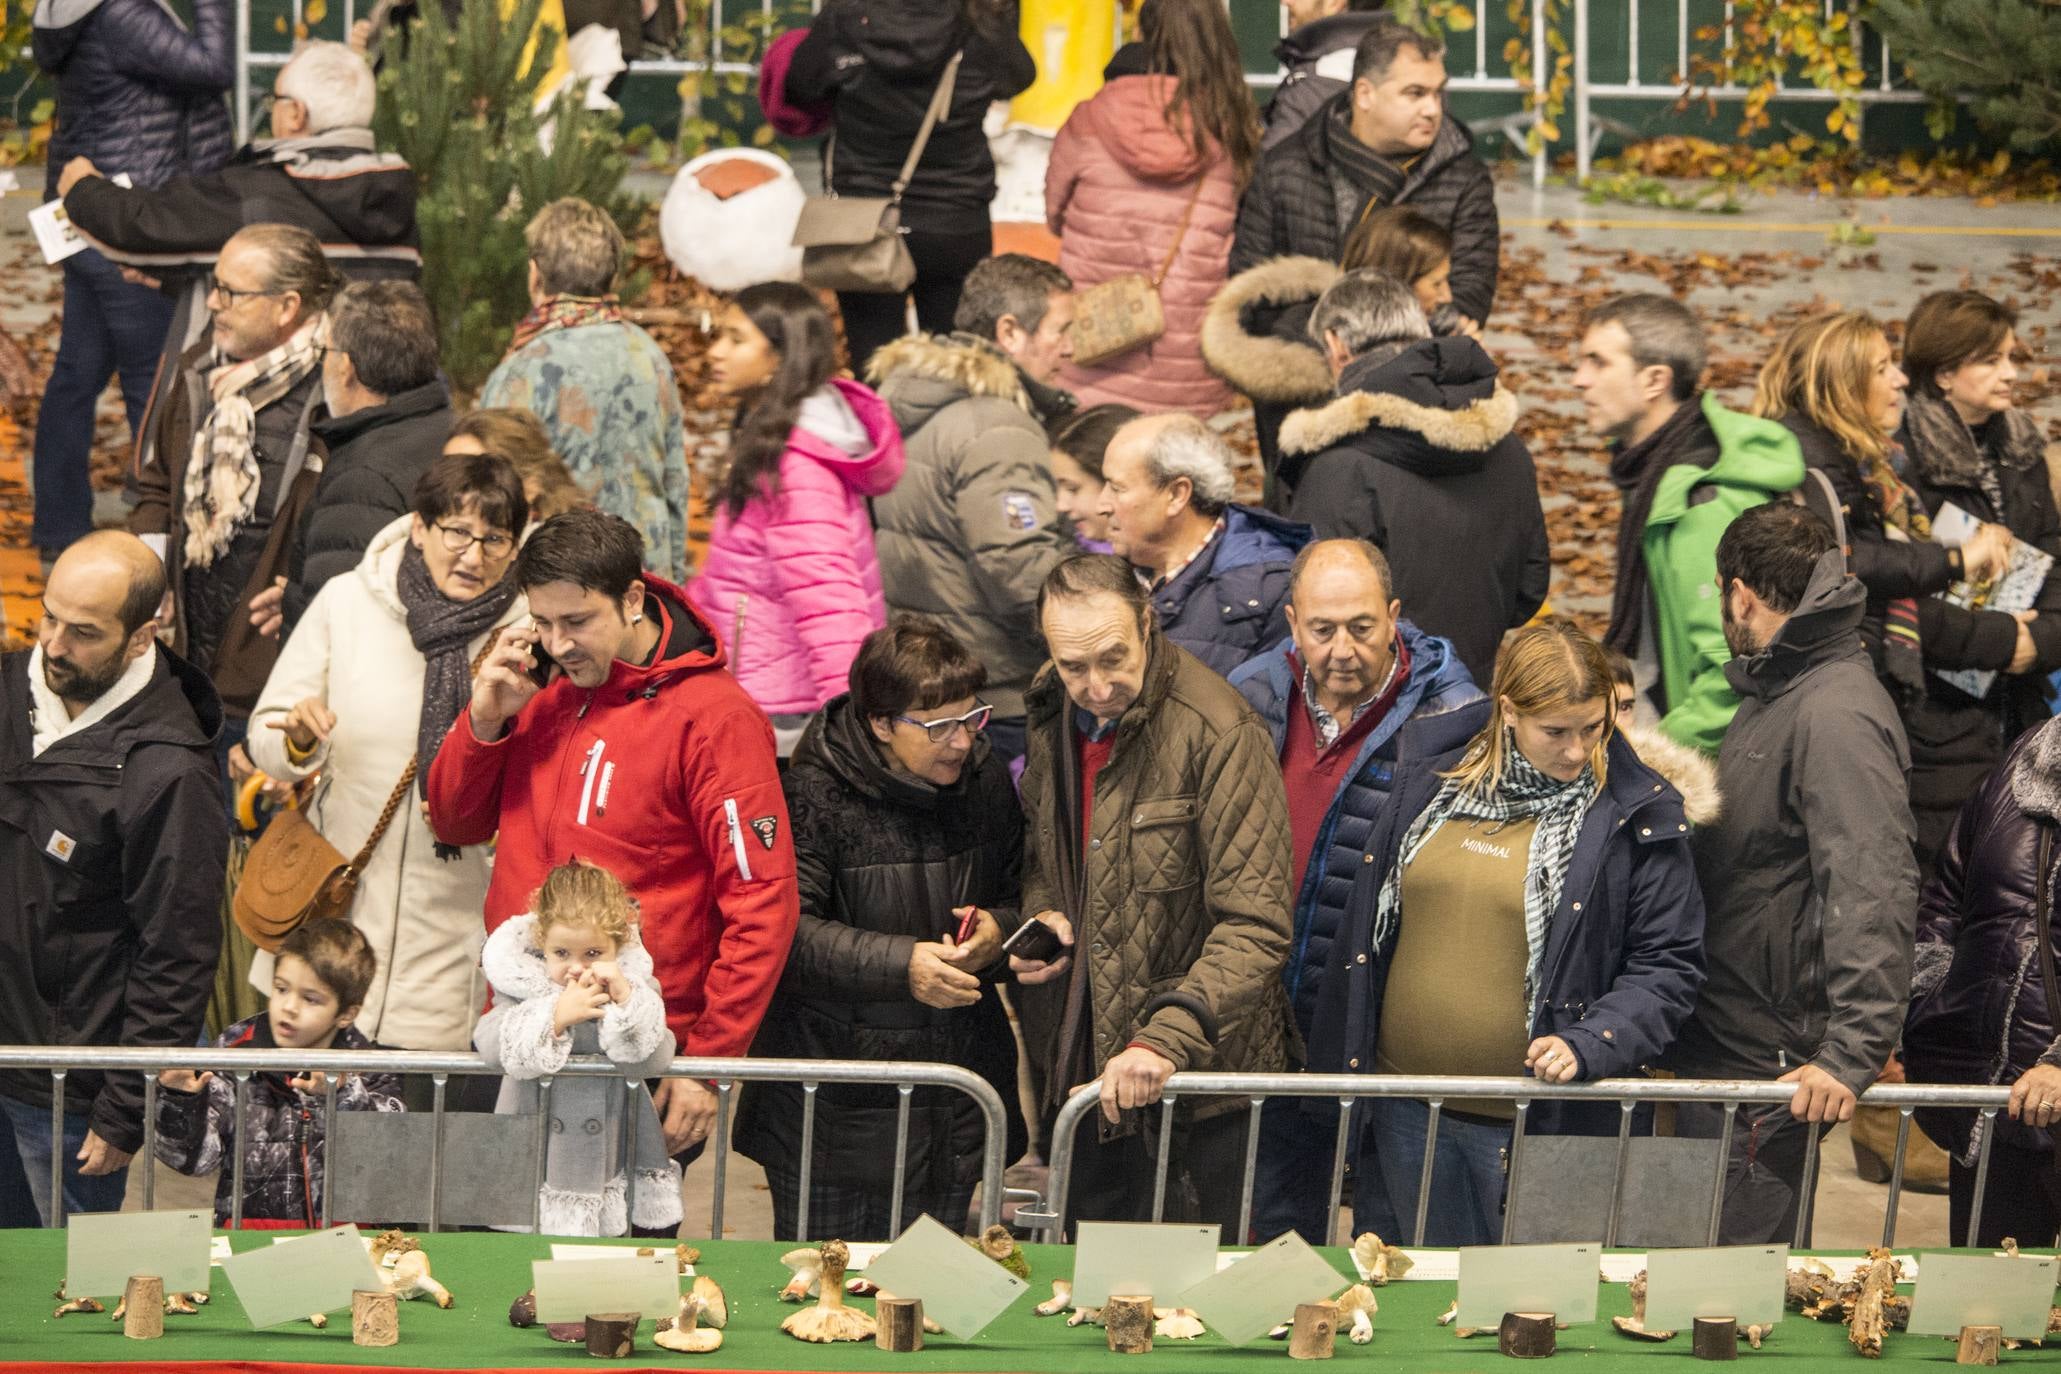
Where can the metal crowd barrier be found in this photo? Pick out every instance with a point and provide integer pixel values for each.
(240, 1064)
(1628, 1093)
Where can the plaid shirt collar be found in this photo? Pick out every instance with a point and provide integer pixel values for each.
(1174, 570)
(1327, 725)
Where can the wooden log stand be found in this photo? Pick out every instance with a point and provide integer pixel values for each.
(898, 1323)
(1527, 1335)
(1314, 1332)
(1128, 1319)
(1978, 1345)
(375, 1318)
(611, 1335)
(143, 1308)
(1715, 1338)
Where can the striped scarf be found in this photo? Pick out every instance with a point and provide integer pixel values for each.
(1558, 808)
(1903, 519)
(222, 478)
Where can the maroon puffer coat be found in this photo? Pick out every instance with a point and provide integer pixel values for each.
(1120, 178)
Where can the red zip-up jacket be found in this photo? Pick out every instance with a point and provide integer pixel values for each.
(665, 776)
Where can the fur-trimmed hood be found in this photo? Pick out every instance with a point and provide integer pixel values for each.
(513, 960)
(1252, 334)
(922, 374)
(1434, 405)
(1689, 771)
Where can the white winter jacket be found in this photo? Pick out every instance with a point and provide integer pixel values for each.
(422, 915)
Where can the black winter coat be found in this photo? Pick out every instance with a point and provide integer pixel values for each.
(136, 91)
(1316, 64)
(375, 457)
(1978, 1005)
(1955, 739)
(283, 1142)
(1232, 601)
(882, 858)
(1624, 950)
(1420, 455)
(112, 846)
(1302, 202)
(877, 64)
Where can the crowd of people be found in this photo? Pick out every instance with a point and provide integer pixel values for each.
(993, 728)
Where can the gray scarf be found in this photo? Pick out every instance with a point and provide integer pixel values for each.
(1946, 452)
(1559, 809)
(440, 629)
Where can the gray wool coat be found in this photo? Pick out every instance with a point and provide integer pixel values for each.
(585, 1171)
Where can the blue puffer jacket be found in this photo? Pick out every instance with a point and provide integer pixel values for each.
(136, 91)
(1438, 710)
(1624, 953)
(1232, 602)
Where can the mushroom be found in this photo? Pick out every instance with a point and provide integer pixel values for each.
(392, 1242)
(198, 1297)
(1000, 1246)
(80, 1305)
(522, 1313)
(410, 1279)
(682, 1333)
(1061, 1299)
(1381, 1261)
(1176, 1323)
(1358, 1303)
(318, 1320)
(805, 1267)
(1635, 1325)
(1755, 1334)
(861, 1287)
(687, 1254)
(1280, 1333)
(1085, 1316)
(570, 1333)
(829, 1320)
(715, 1308)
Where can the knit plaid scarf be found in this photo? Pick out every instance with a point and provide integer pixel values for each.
(1903, 519)
(565, 312)
(1558, 808)
(221, 485)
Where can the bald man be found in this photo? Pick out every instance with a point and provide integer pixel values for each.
(1353, 688)
(112, 845)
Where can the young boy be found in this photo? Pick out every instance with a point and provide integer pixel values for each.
(318, 983)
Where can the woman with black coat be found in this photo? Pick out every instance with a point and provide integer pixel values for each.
(1834, 382)
(1985, 1002)
(876, 65)
(906, 831)
(1967, 445)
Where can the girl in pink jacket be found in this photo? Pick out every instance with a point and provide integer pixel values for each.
(1173, 135)
(791, 581)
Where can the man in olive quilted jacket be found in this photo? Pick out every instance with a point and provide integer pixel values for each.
(1157, 850)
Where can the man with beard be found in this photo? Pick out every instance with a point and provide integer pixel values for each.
(1808, 878)
(1686, 466)
(112, 844)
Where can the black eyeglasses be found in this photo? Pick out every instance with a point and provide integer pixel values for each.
(939, 731)
(458, 539)
(229, 294)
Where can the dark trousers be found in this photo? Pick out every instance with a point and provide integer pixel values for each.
(2022, 1198)
(841, 1211)
(1291, 1190)
(109, 325)
(1205, 1172)
(874, 319)
(1764, 1176)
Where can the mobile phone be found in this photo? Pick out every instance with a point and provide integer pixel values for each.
(544, 665)
(1035, 941)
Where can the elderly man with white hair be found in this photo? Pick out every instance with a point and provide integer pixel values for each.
(1217, 571)
(1419, 454)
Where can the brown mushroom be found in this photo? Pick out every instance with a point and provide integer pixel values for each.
(830, 1320)
(522, 1313)
(80, 1305)
(1061, 1299)
(1382, 1261)
(410, 1279)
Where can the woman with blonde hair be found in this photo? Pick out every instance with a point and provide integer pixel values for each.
(1528, 905)
(1834, 383)
(519, 437)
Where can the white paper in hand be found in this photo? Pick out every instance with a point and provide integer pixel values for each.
(962, 1289)
(1261, 1291)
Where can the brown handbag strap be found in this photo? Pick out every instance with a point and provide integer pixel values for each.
(940, 102)
(1180, 233)
(400, 792)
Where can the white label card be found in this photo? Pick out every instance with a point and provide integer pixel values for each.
(561, 1251)
(102, 1250)
(1251, 1297)
(1981, 1290)
(1560, 1279)
(571, 1290)
(1743, 1282)
(297, 1278)
(962, 1289)
(1140, 1258)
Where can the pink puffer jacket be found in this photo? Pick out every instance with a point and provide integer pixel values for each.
(792, 584)
(1118, 183)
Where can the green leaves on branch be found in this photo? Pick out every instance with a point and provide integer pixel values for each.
(2004, 56)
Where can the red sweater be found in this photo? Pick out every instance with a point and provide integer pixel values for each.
(665, 776)
(1312, 777)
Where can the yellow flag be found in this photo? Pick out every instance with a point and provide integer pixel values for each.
(1072, 41)
(550, 15)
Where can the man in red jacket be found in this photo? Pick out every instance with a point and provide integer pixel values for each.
(640, 754)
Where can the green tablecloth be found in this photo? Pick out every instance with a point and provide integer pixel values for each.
(486, 1272)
